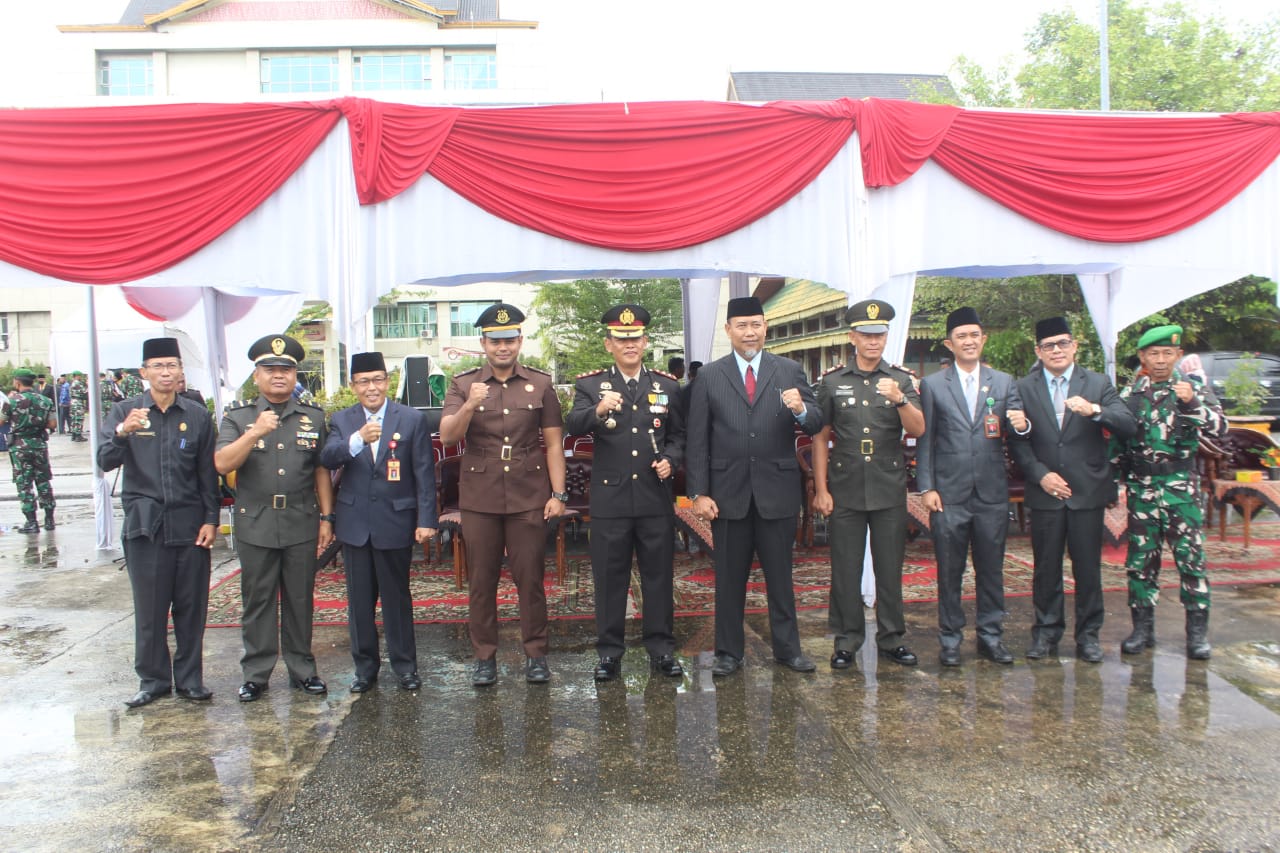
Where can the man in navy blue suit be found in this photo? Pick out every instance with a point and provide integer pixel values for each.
(386, 502)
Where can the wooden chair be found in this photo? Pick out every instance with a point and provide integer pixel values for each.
(1017, 488)
(577, 482)
(804, 458)
(448, 472)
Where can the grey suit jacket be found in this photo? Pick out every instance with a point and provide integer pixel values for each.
(738, 451)
(954, 456)
(1078, 451)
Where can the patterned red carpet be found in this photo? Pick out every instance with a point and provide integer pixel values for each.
(436, 599)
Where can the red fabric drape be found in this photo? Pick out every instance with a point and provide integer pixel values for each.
(108, 195)
(636, 177)
(393, 144)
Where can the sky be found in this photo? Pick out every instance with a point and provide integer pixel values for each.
(639, 49)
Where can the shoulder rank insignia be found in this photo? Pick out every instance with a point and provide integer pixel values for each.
(906, 370)
(592, 373)
(663, 373)
(465, 372)
(535, 369)
(833, 369)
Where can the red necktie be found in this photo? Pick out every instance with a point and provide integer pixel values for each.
(751, 384)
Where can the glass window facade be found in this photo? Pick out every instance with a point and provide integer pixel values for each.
(404, 320)
(463, 316)
(125, 75)
(282, 74)
(470, 70)
(376, 72)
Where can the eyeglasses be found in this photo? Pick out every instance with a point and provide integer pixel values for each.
(366, 381)
(1064, 345)
(164, 366)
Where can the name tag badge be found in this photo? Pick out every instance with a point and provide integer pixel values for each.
(991, 425)
(393, 470)
(657, 409)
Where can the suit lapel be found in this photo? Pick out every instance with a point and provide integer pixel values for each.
(1074, 389)
(763, 377)
(956, 383)
(1040, 396)
(734, 376)
(390, 423)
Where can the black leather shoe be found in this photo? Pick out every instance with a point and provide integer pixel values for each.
(607, 669)
(725, 665)
(312, 685)
(799, 663)
(949, 657)
(410, 681)
(901, 655)
(995, 652)
(1042, 649)
(250, 691)
(146, 697)
(667, 665)
(841, 659)
(536, 671)
(195, 694)
(1089, 651)
(485, 673)
(363, 685)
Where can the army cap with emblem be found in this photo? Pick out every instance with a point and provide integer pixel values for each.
(276, 351)
(626, 321)
(870, 315)
(1161, 336)
(500, 321)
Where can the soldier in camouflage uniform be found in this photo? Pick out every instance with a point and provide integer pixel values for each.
(108, 395)
(130, 385)
(1158, 467)
(79, 405)
(31, 415)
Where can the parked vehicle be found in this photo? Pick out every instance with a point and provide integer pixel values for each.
(1218, 366)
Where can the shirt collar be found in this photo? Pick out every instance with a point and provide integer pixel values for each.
(743, 363)
(380, 414)
(1066, 374)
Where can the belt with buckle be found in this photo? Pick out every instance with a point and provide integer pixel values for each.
(279, 501)
(868, 447)
(507, 452)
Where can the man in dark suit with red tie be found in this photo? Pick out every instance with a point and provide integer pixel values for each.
(742, 474)
(1069, 484)
(386, 503)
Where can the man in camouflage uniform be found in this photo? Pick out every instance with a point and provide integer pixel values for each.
(130, 385)
(108, 394)
(31, 415)
(79, 405)
(1158, 466)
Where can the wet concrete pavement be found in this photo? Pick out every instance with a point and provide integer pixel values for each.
(1148, 753)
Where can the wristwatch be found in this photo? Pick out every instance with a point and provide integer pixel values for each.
(330, 517)
(694, 497)
(901, 403)
(563, 497)
(1097, 410)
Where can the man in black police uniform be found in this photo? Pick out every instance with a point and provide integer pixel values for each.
(637, 420)
(283, 515)
(862, 483)
(165, 445)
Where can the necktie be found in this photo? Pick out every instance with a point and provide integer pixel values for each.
(751, 384)
(631, 388)
(1059, 399)
(373, 448)
(971, 395)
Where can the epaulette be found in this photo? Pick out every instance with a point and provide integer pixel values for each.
(591, 373)
(833, 369)
(663, 373)
(240, 404)
(310, 405)
(466, 372)
(536, 370)
(906, 370)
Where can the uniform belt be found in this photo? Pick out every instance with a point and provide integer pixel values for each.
(279, 501)
(1153, 469)
(506, 452)
(864, 447)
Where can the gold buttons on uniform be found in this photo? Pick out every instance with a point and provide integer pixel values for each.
(280, 446)
(866, 430)
(866, 459)
(506, 439)
(866, 402)
(281, 472)
(506, 468)
(506, 411)
(480, 409)
(635, 476)
(635, 453)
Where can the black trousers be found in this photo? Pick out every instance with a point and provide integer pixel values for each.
(1079, 531)
(983, 528)
(846, 615)
(651, 539)
(373, 573)
(168, 578)
(736, 542)
(277, 586)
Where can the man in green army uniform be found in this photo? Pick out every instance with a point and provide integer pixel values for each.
(108, 394)
(283, 516)
(862, 483)
(31, 415)
(1158, 468)
(79, 405)
(130, 384)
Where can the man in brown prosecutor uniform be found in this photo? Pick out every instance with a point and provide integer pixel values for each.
(509, 485)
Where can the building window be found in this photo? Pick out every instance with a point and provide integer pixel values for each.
(374, 72)
(125, 75)
(405, 320)
(282, 74)
(470, 70)
(4, 332)
(463, 316)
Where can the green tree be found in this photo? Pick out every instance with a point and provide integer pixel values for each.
(569, 318)
(1161, 58)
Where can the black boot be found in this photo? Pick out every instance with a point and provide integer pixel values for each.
(31, 526)
(1198, 634)
(1144, 630)
(48, 519)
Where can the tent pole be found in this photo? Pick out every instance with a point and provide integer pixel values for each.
(102, 516)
